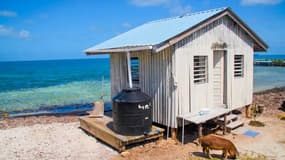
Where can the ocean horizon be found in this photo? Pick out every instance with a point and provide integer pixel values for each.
(31, 85)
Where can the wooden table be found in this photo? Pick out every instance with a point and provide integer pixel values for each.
(199, 118)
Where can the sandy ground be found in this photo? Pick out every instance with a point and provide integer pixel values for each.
(51, 141)
(32, 120)
(270, 142)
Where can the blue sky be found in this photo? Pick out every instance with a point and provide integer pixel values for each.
(62, 29)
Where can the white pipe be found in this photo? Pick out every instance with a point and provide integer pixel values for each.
(129, 69)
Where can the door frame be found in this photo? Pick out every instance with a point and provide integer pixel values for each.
(225, 76)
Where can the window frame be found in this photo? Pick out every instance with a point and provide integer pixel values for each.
(135, 79)
(238, 67)
(198, 77)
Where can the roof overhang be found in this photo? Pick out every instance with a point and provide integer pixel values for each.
(259, 44)
(118, 50)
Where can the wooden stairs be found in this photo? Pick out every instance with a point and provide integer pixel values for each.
(232, 122)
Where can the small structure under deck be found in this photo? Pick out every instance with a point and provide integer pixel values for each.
(101, 128)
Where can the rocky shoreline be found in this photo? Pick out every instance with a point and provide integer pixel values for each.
(273, 101)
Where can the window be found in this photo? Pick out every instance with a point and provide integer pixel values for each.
(238, 66)
(135, 70)
(200, 69)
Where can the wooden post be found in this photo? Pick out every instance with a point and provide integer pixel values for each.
(174, 133)
(248, 111)
(225, 125)
(200, 130)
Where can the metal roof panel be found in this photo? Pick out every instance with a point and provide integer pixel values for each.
(155, 32)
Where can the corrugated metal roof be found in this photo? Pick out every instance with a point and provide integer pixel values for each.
(155, 32)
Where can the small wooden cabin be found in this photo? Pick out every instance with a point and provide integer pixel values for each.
(186, 63)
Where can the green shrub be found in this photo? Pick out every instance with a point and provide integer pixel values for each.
(278, 62)
(256, 123)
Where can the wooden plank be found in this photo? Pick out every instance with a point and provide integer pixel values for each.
(235, 124)
(202, 118)
(101, 133)
(101, 128)
(229, 117)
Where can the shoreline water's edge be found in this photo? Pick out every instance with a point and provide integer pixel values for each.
(275, 89)
(72, 109)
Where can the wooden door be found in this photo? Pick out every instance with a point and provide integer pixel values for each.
(219, 75)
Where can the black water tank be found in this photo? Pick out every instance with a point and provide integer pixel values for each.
(132, 112)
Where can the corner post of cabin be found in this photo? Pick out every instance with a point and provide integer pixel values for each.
(225, 125)
(129, 69)
(183, 130)
(200, 130)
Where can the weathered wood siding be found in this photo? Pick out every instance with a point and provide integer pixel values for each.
(155, 71)
(192, 97)
(119, 72)
(167, 76)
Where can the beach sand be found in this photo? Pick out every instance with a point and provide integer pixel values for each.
(51, 141)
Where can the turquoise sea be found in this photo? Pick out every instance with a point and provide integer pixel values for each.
(33, 85)
(29, 85)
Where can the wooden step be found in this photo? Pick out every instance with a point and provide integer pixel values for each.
(229, 117)
(235, 124)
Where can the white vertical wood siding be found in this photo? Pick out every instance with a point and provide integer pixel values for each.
(155, 71)
(119, 75)
(167, 76)
(239, 90)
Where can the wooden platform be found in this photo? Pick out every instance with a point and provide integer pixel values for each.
(101, 128)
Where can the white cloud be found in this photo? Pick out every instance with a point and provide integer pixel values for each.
(10, 32)
(5, 13)
(126, 25)
(4, 31)
(24, 34)
(253, 2)
(175, 7)
(146, 3)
